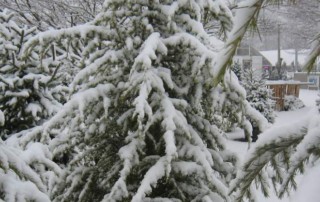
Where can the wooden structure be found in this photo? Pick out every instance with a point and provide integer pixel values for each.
(282, 88)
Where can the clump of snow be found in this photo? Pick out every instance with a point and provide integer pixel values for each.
(2, 119)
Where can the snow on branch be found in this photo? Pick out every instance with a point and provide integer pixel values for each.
(245, 14)
(151, 178)
(148, 52)
(46, 38)
(108, 57)
(313, 55)
(272, 143)
(80, 101)
(307, 147)
(18, 180)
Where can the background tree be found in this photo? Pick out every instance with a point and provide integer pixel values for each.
(236, 68)
(30, 91)
(297, 30)
(45, 14)
(259, 97)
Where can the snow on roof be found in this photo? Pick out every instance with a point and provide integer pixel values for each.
(288, 56)
(279, 82)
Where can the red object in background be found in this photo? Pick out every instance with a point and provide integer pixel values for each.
(266, 67)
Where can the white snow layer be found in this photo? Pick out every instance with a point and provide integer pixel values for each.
(308, 189)
(2, 119)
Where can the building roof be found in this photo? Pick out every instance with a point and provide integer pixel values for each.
(288, 56)
(286, 82)
(249, 51)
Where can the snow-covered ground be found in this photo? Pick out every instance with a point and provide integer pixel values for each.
(306, 184)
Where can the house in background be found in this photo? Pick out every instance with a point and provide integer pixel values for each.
(293, 65)
(292, 60)
(248, 57)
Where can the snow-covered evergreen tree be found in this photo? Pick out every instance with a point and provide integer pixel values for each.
(29, 89)
(138, 126)
(230, 109)
(236, 68)
(259, 97)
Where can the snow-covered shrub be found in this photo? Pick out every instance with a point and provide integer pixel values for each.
(30, 90)
(292, 103)
(259, 97)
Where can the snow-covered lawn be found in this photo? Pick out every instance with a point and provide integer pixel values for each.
(307, 189)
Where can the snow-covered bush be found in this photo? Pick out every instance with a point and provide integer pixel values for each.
(259, 97)
(292, 103)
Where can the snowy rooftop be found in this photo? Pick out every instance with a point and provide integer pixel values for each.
(288, 56)
(279, 82)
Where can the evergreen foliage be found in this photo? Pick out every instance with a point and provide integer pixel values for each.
(259, 97)
(314, 54)
(138, 125)
(27, 96)
(231, 109)
(45, 14)
(236, 68)
(284, 151)
(25, 172)
(29, 91)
